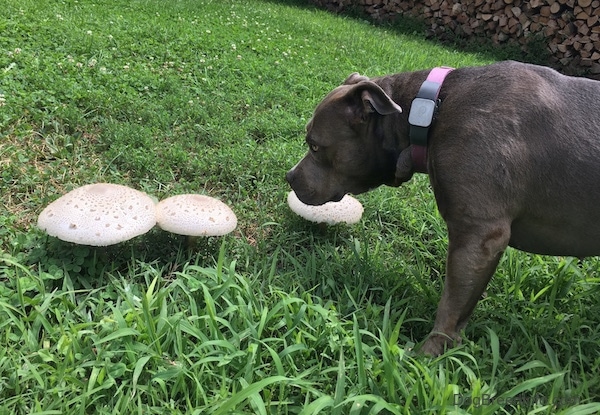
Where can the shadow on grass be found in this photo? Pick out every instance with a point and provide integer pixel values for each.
(536, 53)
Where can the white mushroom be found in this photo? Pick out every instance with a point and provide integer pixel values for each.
(348, 210)
(195, 215)
(99, 214)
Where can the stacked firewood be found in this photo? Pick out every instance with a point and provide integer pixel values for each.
(569, 29)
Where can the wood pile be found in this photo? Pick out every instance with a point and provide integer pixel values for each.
(569, 29)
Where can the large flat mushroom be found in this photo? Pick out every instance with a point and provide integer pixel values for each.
(99, 214)
(195, 215)
(348, 210)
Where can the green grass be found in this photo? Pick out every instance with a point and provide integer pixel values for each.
(282, 316)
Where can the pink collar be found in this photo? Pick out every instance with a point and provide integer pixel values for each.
(419, 132)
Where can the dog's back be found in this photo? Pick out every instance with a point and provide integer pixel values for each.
(529, 138)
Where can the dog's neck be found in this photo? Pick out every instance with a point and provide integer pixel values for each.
(422, 113)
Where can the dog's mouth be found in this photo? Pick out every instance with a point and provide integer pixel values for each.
(337, 198)
(313, 199)
(309, 193)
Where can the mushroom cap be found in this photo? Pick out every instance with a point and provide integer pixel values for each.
(195, 215)
(99, 214)
(348, 210)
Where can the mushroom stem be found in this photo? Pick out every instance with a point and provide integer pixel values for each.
(191, 241)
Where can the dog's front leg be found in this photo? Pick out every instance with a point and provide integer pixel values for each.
(473, 254)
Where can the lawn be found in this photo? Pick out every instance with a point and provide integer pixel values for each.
(281, 316)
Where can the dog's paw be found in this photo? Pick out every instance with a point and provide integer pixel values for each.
(437, 343)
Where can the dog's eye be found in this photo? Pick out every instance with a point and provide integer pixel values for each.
(314, 147)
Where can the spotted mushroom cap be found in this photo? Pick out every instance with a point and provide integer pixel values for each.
(99, 214)
(348, 210)
(195, 215)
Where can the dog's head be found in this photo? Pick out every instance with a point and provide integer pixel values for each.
(345, 138)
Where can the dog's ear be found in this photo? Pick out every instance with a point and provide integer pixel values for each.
(355, 78)
(376, 100)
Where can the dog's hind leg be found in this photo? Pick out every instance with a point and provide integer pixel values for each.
(473, 254)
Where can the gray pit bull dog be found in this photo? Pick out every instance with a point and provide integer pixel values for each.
(512, 157)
